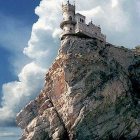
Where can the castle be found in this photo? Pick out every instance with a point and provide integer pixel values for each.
(75, 24)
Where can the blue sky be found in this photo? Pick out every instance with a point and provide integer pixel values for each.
(18, 13)
(22, 10)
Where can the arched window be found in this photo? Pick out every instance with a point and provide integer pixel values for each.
(81, 20)
(70, 18)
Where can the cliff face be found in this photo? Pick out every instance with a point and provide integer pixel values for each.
(91, 92)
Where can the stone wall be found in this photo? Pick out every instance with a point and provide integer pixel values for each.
(90, 30)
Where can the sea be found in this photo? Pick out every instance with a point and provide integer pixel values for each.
(10, 133)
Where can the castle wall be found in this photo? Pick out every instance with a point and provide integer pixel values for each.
(91, 31)
(80, 18)
(94, 28)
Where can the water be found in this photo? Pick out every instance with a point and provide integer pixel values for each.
(10, 133)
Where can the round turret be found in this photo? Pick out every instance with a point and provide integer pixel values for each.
(68, 12)
(68, 23)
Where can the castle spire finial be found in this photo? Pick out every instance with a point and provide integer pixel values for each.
(74, 2)
(68, 2)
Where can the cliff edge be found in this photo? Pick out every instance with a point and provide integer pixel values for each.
(91, 92)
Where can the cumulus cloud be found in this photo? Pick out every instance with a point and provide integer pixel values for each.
(114, 3)
(44, 43)
(19, 93)
(118, 18)
(44, 40)
(41, 49)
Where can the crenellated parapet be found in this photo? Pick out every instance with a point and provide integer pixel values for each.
(68, 7)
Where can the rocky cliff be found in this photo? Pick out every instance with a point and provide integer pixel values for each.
(91, 92)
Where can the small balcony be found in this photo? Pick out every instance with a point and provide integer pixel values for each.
(64, 33)
(67, 22)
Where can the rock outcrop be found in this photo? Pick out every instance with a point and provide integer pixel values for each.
(91, 92)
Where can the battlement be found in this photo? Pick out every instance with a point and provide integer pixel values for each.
(90, 31)
(68, 7)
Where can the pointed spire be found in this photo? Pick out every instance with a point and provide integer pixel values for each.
(68, 2)
(91, 21)
(74, 2)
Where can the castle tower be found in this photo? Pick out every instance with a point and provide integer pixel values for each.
(68, 23)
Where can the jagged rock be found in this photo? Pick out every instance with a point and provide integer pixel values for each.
(89, 94)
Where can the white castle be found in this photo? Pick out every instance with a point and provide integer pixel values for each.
(75, 24)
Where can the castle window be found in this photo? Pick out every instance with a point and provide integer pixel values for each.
(81, 20)
(70, 18)
(70, 29)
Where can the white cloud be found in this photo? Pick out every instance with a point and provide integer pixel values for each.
(138, 8)
(110, 15)
(19, 93)
(114, 3)
(42, 48)
(92, 13)
(115, 20)
(44, 43)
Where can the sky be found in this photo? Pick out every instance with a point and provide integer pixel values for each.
(16, 20)
(29, 41)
